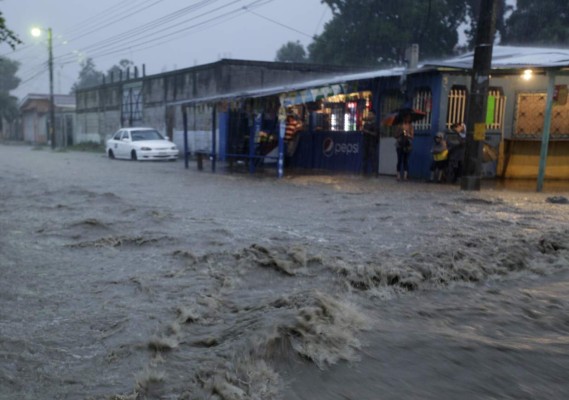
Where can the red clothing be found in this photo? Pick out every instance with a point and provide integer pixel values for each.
(292, 126)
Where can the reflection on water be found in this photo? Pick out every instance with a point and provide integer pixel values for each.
(526, 185)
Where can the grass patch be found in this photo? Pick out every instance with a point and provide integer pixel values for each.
(92, 147)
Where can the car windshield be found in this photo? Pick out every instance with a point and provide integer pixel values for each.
(146, 135)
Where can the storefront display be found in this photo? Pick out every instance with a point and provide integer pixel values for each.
(332, 138)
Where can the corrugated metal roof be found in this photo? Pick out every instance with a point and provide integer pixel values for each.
(294, 87)
(503, 57)
(60, 100)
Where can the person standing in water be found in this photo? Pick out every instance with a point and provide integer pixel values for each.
(370, 143)
(440, 158)
(404, 144)
(457, 146)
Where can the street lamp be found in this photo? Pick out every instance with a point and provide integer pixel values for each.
(36, 32)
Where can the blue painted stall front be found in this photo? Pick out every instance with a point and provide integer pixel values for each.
(421, 157)
(223, 123)
(331, 151)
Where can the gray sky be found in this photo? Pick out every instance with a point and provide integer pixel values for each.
(163, 34)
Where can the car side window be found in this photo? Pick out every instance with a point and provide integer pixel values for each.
(117, 135)
(125, 135)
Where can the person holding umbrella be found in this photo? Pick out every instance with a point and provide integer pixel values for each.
(403, 119)
(404, 144)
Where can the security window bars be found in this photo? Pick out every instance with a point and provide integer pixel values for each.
(132, 105)
(389, 102)
(423, 101)
(530, 117)
(457, 107)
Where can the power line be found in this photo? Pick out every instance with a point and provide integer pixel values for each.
(17, 50)
(118, 18)
(95, 19)
(141, 34)
(142, 41)
(79, 26)
(35, 75)
(276, 22)
(146, 27)
(320, 22)
(173, 36)
(195, 28)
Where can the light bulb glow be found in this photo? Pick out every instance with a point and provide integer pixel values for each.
(527, 75)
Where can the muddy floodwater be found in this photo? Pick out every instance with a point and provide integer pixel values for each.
(131, 280)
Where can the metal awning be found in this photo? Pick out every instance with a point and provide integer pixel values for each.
(503, 58)
(299, 92)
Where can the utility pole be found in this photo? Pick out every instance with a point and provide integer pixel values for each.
(51, 100)
(476, 118)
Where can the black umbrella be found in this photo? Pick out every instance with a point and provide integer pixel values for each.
(396, 117)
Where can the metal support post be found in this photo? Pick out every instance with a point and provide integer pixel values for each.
(546, 131)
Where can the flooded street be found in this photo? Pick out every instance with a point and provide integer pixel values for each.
(129, 280)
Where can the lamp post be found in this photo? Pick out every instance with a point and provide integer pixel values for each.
(37, 32)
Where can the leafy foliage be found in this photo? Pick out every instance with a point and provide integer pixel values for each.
(8, 81)
(544, 22)
(88, 76)
(377, 32)
(473, 12)
(116, 70)
(6, 35)
(291, 52)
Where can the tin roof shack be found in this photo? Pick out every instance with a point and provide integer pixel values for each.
(515, 116)
(138, 101)
(516, 113)
(34, 109)
(249, 126)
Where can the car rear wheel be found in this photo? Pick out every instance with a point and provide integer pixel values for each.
(133, 156)
(111, 155)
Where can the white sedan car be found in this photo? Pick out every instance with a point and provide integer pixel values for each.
(141, 144)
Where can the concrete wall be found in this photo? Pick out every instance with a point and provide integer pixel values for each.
(35, 127)
(99, 108)
(97, 113)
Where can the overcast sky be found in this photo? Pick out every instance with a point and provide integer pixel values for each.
(162, 34)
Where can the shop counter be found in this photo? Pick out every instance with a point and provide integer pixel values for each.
(332, 151)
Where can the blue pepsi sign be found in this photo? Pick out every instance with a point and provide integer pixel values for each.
(336, 151)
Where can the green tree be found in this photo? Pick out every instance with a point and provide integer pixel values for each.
(88, 76)
(544, 22)
(122, 66)
(377, 32)
(473, 13)
(6, 35)
(8, 81)
(291, 52)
